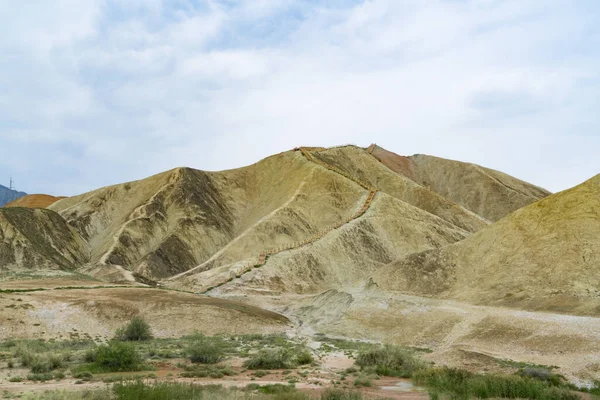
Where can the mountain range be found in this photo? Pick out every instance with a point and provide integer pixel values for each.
(351, 241)
(7, 195)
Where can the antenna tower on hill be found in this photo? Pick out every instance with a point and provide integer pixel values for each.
(11, 186)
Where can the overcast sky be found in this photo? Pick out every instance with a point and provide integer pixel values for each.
(98, 92)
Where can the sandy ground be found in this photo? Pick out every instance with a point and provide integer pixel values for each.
(458, 334)
(96, 313)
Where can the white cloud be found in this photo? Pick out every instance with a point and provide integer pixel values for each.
(117, 91)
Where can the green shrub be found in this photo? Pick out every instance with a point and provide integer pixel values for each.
(85, 376)
(595, 390)
(271, 359)
(364, 380)
(117, 357)
(304, 357)
(137, 330)
(463, 385)
(252, 386)
(90, 355)
(205, 350)
(45, 363)
(390, 361)
(542, 374)
(59, 375)
(40, 377)
(277, 388)
(16, 379)
(25, 356)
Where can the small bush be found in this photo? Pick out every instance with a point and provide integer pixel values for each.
(16, 379)
(271, 359)
(205, 350)
(463, 385)
(90, 355)
(85, 376)
(277, 388)
(364, 380)
(137, 330)
(542, 374)
(390, 361)
(117, 357)
(40, 377)
(304, 357)
(45, 363)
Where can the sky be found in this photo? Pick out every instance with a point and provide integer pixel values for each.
(99, 92)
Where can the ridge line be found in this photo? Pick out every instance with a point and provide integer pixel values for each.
(263, 257)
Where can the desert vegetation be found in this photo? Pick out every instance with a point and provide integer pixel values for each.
(128, 364)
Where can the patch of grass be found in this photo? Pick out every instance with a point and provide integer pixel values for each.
(520, 364)
(205, 350)
(46, 363)
(135, 331)
(339, 394)
(543, 374)
(85, 376)
(304, 357)
(47, 376)
(16, 379)
(277, 388)
(595, 390)
(364, 380)
(464, 385)
(116, 357)
(390, 361)
(271, 359)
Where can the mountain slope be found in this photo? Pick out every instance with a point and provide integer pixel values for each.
(34, 201)
(197, 228)
(343, 257)
(486, 192)
(543, 256)
(7, 195)
(169, 223)
(358, 163)
(39, 239)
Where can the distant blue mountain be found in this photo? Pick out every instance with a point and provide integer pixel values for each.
(7, 195)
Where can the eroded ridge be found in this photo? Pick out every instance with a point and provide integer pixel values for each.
(262, 258)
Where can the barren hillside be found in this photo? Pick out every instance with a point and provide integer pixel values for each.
(347, 241)
(188, 220)
(34, 201)
(543, 256)
(488, 193)
(39, 239)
